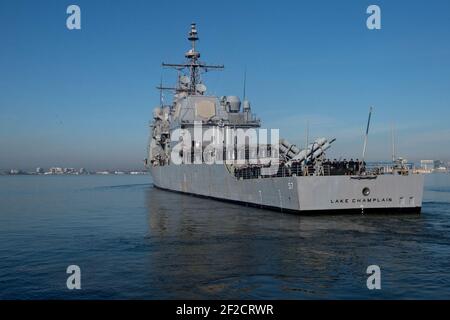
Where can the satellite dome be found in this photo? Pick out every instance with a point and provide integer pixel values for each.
(234, 104)
(201, 88)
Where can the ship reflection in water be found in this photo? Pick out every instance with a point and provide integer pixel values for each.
(133, 241)
(212, 249)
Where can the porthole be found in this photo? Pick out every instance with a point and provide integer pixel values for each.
(366, 191)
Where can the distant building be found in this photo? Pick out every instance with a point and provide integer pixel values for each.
(69, 170)
(14, 171)
(39, 170)
(103, 172)
(438, 164)
(55, 170)
(427, 165)
(82, 171)
(137, 172)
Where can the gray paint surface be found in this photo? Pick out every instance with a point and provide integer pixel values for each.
(303, 193)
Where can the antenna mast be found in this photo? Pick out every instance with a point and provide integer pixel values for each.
(307, 137)
(245, 84)
(367, 135)
(193, 64)
(161, 92)
(393, 142)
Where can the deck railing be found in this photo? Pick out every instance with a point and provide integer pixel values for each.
(253, 172)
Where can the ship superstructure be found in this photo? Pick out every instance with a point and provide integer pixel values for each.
(212, 146)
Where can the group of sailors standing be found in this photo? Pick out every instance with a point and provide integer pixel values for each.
(329, 167)
(345, 167)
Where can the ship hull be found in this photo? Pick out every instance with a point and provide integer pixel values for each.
(303, 194)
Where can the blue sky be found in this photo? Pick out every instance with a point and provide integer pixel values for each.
(83, 98)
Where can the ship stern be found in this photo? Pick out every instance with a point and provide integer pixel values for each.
(361, 194)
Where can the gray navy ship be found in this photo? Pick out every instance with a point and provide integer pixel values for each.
(211, 146)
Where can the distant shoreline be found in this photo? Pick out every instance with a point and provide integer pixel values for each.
(133, 173)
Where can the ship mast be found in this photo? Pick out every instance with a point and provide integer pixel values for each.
(193, 65)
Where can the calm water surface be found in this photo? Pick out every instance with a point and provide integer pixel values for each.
(134, 241)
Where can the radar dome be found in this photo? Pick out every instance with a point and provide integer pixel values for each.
(157, 112)
(234, 104)
(184, 80)
(201, 88)
(246, 105)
